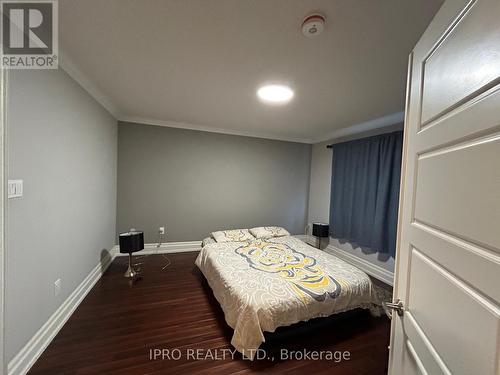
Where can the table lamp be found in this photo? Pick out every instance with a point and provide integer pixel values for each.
(131, 242)
(320, 230)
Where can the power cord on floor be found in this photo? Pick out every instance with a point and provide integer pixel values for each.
(169, 262)
(160, 240)
(138, 264)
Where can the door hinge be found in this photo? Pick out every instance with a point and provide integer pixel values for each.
(398, 305)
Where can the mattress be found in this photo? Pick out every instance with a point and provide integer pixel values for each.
(267, 283)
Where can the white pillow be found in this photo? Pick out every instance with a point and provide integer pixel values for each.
(233, 235)
(207, 241)
(268, 232)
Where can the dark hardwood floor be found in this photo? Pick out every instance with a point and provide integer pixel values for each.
(118, 323)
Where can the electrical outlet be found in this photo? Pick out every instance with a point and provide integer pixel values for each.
(15, 188)
(161, 230)
(57, 287)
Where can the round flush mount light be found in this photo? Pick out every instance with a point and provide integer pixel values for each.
(275, 94)
(313, 25)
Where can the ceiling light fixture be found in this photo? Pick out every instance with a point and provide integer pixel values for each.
(275, 94)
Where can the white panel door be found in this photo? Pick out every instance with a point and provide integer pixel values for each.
(448, 261)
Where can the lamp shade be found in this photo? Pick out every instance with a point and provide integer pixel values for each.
(130, 242)
(320, 229)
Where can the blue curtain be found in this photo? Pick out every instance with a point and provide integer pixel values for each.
(365, 191)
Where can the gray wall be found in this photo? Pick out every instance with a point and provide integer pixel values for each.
(196, 182)
(319, 195)
(63, 145)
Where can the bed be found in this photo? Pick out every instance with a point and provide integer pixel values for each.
(265, 283)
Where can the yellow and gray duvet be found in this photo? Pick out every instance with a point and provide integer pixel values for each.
(267, 283)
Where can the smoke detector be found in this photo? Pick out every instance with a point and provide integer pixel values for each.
(313, 25)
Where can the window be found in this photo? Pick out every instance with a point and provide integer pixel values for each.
(365, 191)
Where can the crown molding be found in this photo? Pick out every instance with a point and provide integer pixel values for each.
(67, 64)
(210, 129)
(362, 127)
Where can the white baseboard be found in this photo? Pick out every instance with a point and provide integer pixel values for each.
(29, 354)
(164, 248)
(371, 269)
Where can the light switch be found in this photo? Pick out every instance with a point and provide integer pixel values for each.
(15, 188)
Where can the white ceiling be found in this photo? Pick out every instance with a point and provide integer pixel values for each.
(198, 63)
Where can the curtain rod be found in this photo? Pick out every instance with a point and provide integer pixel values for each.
(362, 137)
